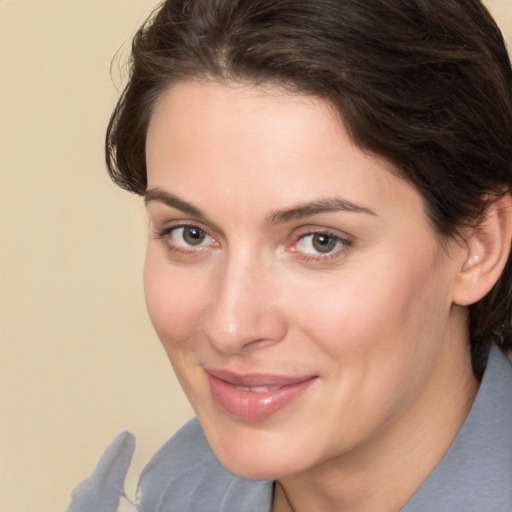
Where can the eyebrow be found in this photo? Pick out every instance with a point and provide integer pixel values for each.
(324, 205)
(158, 195)
(298, 212)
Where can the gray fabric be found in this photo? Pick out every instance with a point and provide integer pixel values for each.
(474, 476)
(185, 475)
(103, 491)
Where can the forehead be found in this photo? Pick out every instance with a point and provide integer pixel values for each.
(261, 148)
(232, 111)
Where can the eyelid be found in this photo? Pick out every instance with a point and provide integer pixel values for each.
(165, 226)
(161, 214)
(321, 230)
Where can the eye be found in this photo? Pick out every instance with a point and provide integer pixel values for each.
(186, 238)
(320, 245)
(188, 235)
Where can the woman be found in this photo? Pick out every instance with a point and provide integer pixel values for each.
(328, 185)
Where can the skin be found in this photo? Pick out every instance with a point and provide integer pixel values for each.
(374, 319)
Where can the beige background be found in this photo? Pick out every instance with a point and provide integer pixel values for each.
(78, 359)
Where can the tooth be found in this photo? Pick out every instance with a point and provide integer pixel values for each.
(257, 389)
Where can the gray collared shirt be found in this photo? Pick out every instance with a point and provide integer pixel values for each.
(475, 475)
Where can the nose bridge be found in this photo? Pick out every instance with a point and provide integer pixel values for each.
(244, 310)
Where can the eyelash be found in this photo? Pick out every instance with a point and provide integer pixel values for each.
(341, 244)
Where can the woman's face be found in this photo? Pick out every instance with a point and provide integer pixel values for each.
(294, 281)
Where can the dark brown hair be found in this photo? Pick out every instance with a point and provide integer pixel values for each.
(426, 84)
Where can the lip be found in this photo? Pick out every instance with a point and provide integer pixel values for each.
(257, 403)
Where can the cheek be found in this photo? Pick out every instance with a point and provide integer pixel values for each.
(382, 331)
(342, 312)
(175, 302)
(388, 312)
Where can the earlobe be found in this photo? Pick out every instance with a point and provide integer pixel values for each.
(488, 247)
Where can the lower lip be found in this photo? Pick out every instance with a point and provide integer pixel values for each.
(252, 406)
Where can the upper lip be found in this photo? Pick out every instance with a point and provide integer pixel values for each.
(256, 379)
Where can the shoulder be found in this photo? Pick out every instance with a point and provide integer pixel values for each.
(476, 472)
(185, 475)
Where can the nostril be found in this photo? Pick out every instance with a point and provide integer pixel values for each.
(257, 344)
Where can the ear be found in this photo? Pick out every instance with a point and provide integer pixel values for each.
(487, 250)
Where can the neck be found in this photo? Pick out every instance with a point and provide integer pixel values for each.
(382, 475)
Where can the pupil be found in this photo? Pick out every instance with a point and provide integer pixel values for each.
(194, 236)
(324, 243)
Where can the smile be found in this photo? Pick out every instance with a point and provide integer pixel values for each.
(255, 397)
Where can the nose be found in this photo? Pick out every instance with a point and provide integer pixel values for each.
(245, 313)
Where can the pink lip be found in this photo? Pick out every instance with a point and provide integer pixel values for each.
(250, 404)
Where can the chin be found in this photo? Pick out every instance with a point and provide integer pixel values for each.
(257, 468)
(256, 454)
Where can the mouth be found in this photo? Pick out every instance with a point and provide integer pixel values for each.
(255, 397)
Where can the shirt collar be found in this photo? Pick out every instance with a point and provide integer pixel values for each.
(476, 472)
